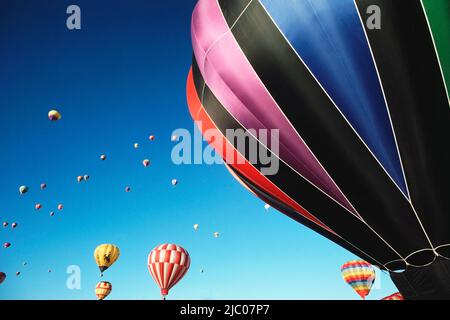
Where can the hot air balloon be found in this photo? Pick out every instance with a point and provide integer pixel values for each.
(54, 115)
(105, 255)
(14, 225)
(103, 289)
(38, 206)
(151, 138)
(136, 145)
(43, 186)
(168, 263)
(52, 213)
(216, 234)
(6, 245)
(127, 189)
(174, 138)
(23, 189)
(394, 296)
(5, 224)
(24, 263)
(86, 177)
(49, 270)
(102, 157)
(196, 226)
(18, 273)
(338, 125)
(60, 206)
(146, 162)
(174, 182)
(2, 277)
(79, 179)
(360, 275)
(267, 206)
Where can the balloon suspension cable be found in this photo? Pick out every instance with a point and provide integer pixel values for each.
(163, 297)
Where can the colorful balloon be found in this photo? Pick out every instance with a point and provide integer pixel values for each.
(5, 224)
(60, 206)
(18, 273)
(23, 189)
(102, 157)
(54, 115)
(196, 226)
(168, 263)
(52, 214)
(360, 275)
(394, 296)
(174, 182)
(38, 206)
(362, 124)
(136, 145)
(2, 277)
(86, 177)
(146, 162)
(151, 138)
(127, 189)
(79, 179)
(216, 234)
(6, 245)
(105, 255)
(103, 289)
(43, 186)
(14, 225)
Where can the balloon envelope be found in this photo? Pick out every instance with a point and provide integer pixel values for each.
(54, 115)
(103, 289)
(105, 255)
(360, 275)
(2, 277)
(23, 189)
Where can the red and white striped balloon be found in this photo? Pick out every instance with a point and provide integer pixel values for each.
(168, 263)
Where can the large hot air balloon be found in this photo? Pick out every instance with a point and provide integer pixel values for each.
(360, 275)
(340, 125)
(105, 255)
(2, 277)
(103, 289)
(394, 296)
(168, 263)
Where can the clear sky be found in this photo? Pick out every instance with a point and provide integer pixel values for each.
(116, 81)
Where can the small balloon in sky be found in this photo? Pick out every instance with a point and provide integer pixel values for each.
(174, 182)
(60, 206)
(38, 206)
(5, 224)
(136, 145)
(23, 189)
(79, 178)
(127, 189)
(6, 245)
(196, 226)
(151, 138)
(24, 263)
(18, 273)
(14, 225)
(201, 270)
(43, 186)
(86, 177)
(52, 214)
(49, 270)
(103, 157)
(174, 138)
(2, 277)
(216, 234)
(54, 115)
(146, 162)
(267, 206)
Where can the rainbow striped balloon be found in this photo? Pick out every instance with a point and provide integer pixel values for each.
(360, 275)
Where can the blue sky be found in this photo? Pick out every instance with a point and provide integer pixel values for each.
(116, 81)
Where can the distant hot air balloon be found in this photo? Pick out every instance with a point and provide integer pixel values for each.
(174, 182)
(201, 270)
(102, 157)
(127, 189)
(86, 177)
(60, 206)
(103, 289)
(360, 275)
(5, 224)
(151, 138)
(14, 225)
(146, 162)
(196, 226)
(18, 273)
(136, 145)
(174, 138)
(2, 277)
(79, 178)
(168, 263)
(52, 214)
(24, 263)
(216, 234)
(38, 206)
(267, 206)
(49, 270)
(54, 115)
(105, 255)
(43, 186)
(6, 245)
(23, 189)
(394, 296)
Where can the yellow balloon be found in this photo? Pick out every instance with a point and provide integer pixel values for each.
(54, 115)
(105, 255)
